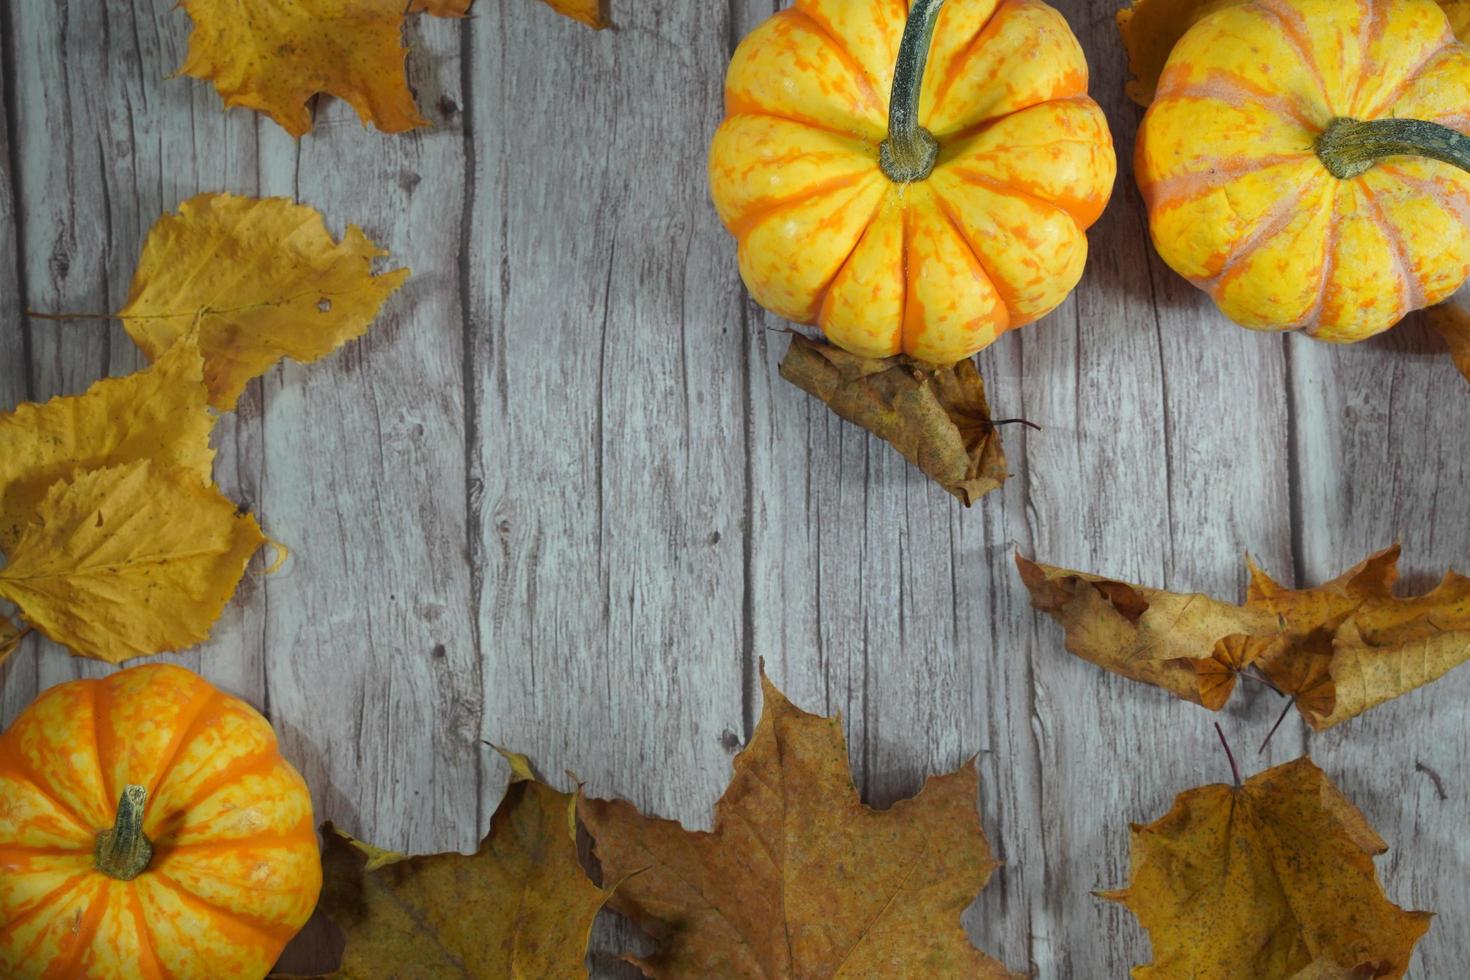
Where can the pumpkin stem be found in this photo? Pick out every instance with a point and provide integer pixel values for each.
(123, 852)
(909, 152)
(1348, 147)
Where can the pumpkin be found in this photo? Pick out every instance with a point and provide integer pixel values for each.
(1302, 162)
(149, 828)
(915, 178)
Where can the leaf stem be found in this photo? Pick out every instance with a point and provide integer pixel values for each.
(1234, 769)
(1280, 718)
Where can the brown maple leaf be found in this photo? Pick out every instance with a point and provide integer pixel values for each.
(518, 907)
(1338, 649)
(1272, 880)
(798, 877)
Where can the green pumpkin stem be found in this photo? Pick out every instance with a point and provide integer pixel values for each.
(909, 152)
(1348, 147)
(123, 852)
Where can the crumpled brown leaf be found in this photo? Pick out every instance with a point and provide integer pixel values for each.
(160, 413)
(129, 560)
(1190, 645)
(1338, 649)
(799, 878)
(1272, 880)
(1151, 28)
(937, 418)
(260, 279)
(518, 907)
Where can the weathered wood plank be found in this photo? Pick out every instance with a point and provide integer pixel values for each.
(373, 674)
(1381, 455)
(608, 371)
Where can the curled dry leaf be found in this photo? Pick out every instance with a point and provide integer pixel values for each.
(937, 418)
(1190, 645)
(261, 278)
(799, 878)
(159, 413)
(518, 907)
(1151, 28)
(129, 560)
(1338, 649)
(274, 57)
(1272, 880)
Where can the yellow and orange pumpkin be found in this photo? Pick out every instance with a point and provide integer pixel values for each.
(915, 177)
(1303, 162)
(149, 828)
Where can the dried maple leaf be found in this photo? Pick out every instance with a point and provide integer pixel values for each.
(1272, 880)
(275, 57)
(936, 417)
(1190, 645)
(799, 878)
(518, 907)
(129, 560)
(1338, 649)
(1151, 28)
(1354, 645)
(159, 413)
(261, 278)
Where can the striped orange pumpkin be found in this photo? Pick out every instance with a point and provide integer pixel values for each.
(915, 178)
(1304, 162)
(226, 868)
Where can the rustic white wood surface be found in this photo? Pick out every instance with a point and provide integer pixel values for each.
(559, 499)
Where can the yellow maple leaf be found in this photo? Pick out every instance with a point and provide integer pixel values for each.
(1190, 645)
(1337, 649)
(261, 278)
(158, 413)
(1272, 880)
(798, 877)
(129, 560)
(589, 12)
(1151, 28)
(275, 57)
(518, 907)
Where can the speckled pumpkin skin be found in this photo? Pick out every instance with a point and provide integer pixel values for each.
(236, 868)
(1240, 204)
(936, 269)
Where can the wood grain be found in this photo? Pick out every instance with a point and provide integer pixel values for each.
(558, 499)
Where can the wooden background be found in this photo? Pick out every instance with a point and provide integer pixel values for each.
(559, 499)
